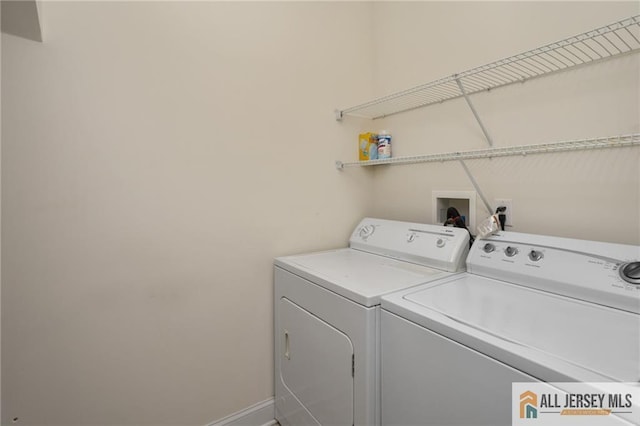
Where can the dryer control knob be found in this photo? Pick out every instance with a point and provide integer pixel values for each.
(440, 242)
(367, 231)
(630, 272)
(411, 237)
(535, 255)
(488, 248)
(510, 251)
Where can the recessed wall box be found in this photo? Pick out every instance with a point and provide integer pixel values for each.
(463, 201)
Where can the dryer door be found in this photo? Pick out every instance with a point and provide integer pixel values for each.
(316, 365)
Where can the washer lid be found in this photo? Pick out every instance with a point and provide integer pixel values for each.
(359, 276)
(569, 336)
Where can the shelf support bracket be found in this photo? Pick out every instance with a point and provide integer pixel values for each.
(473, 110)
(476, 187)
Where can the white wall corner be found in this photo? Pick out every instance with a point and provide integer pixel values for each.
(260, 414)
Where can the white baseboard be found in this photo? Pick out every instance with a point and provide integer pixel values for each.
(260, 414)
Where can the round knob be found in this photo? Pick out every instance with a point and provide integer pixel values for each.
(488, 248)
(510, 251)
(630, 272)
(411, 237)
(440, 242)
(535, 255)
(367, 230)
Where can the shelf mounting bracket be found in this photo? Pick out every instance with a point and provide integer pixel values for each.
(473, 110)
(476, 187)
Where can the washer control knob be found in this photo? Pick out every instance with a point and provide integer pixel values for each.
(411, 237)
(630, 272)
(440, 242)
(535, 255)
(367, 231)
(488, 248)
(510, 251)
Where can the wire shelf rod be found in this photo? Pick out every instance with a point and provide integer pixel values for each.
(632, 35)
(579, 49)
(588, 45)
(621, 141)
(595, 40)
(613, 44)
(559, 62)
(539, 62)
(525, 73)
(579, 53)
(592, 46)
(622, 40)
(494, 78)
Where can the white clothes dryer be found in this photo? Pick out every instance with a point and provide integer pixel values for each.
(529, 308)
(327, 313)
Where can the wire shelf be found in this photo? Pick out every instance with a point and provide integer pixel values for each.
(573, 145)
(610, 41)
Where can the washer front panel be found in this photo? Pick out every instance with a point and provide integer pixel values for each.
(428, 379)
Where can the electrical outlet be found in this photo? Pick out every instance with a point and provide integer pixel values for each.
(506, 202)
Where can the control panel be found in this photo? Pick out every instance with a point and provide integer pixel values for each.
(429, 245)
(603, 273)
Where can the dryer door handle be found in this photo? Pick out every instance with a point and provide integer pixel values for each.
(287, 354)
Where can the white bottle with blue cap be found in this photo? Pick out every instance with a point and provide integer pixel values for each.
(384, 145)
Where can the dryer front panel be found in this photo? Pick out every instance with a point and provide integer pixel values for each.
(316, 365)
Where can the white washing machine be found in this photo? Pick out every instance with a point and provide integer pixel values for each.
(327, 313)
(529, 308)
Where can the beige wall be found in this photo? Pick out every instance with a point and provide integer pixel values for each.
(588, 195)
(156, 157)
